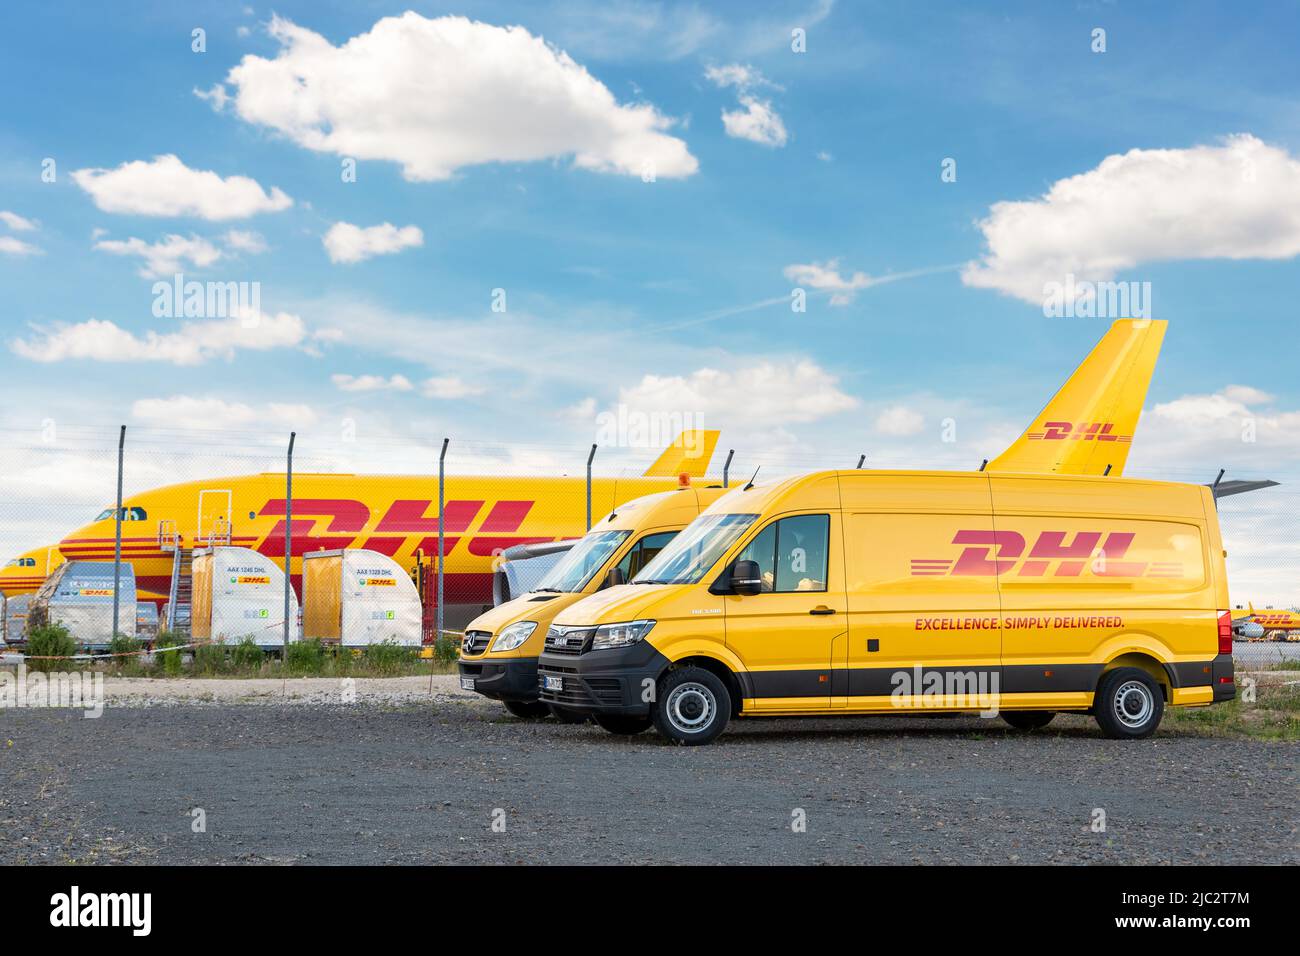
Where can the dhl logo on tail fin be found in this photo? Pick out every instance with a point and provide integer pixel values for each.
(689, 454)
(1089, 424)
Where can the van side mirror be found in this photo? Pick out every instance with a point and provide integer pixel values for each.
(615, 577)
(746, 578)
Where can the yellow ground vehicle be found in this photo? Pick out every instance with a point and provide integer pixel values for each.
(498, 656)
(898, 592)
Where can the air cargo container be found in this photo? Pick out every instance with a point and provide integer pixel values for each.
(355, 597)
(79, 596)
(238, 593)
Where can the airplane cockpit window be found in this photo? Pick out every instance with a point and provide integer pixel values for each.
(128, 514)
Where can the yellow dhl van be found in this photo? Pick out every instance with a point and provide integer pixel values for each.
(890, 592)
(498, 656)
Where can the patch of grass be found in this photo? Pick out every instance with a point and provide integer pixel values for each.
(166, 659)
(1273, 715)
(389, 658)
(1288, 665)
(446, 648)
(51, 640)
(246, 656)
(305, 657)
(210, 659)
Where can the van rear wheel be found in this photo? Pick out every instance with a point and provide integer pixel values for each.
(624, 725)
(526, 709)
(1128, 704)
(692, 706)
(1027, 719)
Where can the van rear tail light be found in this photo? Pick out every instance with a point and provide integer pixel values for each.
(1225, 632)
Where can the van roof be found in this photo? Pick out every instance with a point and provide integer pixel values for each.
(677, 506)
(1121, 494)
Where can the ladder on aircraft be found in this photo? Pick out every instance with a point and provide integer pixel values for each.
(180, 595)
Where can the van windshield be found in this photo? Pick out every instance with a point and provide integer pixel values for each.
(691, 554)
(572, 572)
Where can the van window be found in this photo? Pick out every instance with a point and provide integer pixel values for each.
(572, 572)
(690, 555)
(791, 553)
(643, 552)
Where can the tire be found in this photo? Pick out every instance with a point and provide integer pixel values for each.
(692, 706)
(624, 725)
(1028, 719)
(526, 709)
(1128, 704)
(565, 716)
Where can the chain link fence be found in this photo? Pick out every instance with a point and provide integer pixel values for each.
(228, 538)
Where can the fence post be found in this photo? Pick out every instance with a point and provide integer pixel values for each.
(726, 467)
(117, 535)
(442, 500)
(590, 456)
(288, 537)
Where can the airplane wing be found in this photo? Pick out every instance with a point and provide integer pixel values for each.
(1089, 424)
(689, 454)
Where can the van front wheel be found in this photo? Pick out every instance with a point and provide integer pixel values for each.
(692, 707)
(1128, 704)
(1027, 719)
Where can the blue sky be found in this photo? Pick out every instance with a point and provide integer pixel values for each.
(652, 294)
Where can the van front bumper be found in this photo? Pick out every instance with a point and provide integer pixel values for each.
(619, 680)
(512, 678)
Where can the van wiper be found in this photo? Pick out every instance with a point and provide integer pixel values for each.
(549, 590)
(652, 581)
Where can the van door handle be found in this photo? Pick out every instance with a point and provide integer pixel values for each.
(822, 609)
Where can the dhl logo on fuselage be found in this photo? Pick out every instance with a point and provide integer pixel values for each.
(1050, 556)
(1281, 619)
(402, 519)
(1078, 431)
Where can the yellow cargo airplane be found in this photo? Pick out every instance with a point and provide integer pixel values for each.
(1267, 625)
(28, 571)
(396, 515)
(1086, 427)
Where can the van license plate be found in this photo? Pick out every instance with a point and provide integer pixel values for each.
(554, 683)
(467, 683)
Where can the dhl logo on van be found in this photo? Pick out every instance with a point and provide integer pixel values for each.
(1078, 431)
(348, 518)
(993, 553)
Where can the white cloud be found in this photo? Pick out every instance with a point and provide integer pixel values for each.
(192, 344)
(757, 122)
(371, 383)
(348, 243)
(165, 186)
(437, 95)
(216, 96)
(1237, 200)
(825, 157)
(449, 387)
(188, 411)
(16, 247)
(581, 411)
(16, 222)
(899, 420)
(773, 393)
(165, 257)
(825, 277)
(240, 240)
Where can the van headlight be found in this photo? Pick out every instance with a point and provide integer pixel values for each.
(620, 635)
(514, 635)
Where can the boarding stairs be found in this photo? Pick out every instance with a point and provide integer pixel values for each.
(179, 595)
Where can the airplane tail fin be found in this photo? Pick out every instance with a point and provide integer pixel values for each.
(1088, 425)
(689, 454)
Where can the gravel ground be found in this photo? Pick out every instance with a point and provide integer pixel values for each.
(402, 777)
